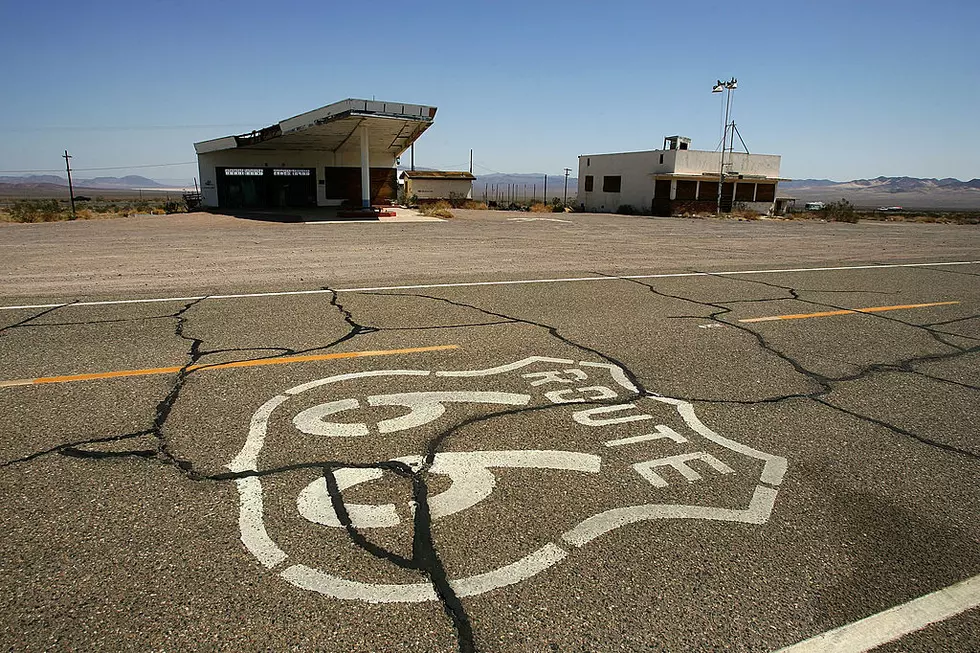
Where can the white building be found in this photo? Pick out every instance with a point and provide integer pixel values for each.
(676, 179)
(431, 185)
(342, 153)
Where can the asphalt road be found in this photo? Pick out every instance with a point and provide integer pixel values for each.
(488, 434)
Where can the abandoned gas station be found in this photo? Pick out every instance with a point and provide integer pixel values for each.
(343, 154)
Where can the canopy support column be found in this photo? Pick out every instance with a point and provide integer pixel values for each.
(365, 168)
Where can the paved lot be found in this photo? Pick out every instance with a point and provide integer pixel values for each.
(391, 437)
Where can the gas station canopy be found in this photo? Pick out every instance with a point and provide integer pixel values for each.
(393, 127)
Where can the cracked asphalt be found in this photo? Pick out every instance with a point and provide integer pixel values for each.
(402, 454)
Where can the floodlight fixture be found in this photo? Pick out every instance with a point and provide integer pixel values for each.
(719, 87)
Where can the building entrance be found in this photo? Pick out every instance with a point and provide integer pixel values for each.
(266, 188)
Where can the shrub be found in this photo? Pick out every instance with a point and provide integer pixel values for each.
(172, 206)
(438, 209)
(842, 211)
(37, 211)
(538, 207)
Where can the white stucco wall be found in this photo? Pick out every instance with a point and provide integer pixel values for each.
(428, 189)
(347, 157)
(696, 162)
(637, 170)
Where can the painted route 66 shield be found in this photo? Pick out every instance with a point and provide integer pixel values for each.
(328, 460)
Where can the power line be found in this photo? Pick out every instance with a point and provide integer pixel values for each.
(106, 128)
(152, 165)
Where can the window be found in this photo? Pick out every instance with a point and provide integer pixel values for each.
(686, 190)
(588, 162)
(744, 192)
(612, 184)
(661, 159)
(588, 183)
(708, 191)
(765, 193)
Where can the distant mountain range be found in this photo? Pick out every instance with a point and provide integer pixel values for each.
(888, 184)
(129, 182)
(908, 192)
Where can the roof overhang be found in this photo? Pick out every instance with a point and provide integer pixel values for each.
(713, 176)
(392, 127)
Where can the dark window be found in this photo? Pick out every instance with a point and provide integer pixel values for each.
(661, 190)
(588, 183)
(765, 193)
(588, 162)
(661, 158)
(744, 192)
(686, 190)
(708, 191)
(612, 184)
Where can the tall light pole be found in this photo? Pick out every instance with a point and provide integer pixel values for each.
(730, 86)
(565, 201)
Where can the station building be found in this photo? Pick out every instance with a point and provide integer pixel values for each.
(677, 179)
(341, 154)
(433, 185)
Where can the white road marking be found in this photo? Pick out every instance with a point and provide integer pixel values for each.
(318, 581)
(252, 526)
(470, 284)
(469, 474)
(757, 513)
(894, 623)
(663, 431)
(679, 462)
(587, 417)
(538, 220)
(471, 481)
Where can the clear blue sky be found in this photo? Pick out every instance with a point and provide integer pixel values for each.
(841, 90)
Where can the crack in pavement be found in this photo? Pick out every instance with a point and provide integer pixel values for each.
(86, 323)
(906, 366)
(425, 557)
(71, 445)
(27, 320)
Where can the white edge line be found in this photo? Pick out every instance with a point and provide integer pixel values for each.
(470, 284)
(894, 623)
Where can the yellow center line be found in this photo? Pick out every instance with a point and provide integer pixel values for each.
(221, 366)
(853, 311)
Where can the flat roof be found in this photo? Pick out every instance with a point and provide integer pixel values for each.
(437, 174)
(665, 151)
(392, 127)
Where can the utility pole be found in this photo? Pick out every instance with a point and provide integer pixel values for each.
(471, 160)
(565, 201)
(546, 189)
(413, 157)
(71, 190)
